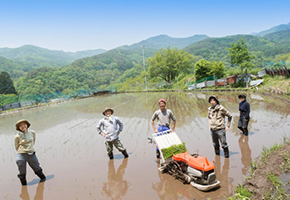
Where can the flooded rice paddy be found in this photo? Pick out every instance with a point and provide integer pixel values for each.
(73, 156)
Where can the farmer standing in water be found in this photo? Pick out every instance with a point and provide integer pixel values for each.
(216, 121)
(163, 116)
(24, 142)
(110, 128)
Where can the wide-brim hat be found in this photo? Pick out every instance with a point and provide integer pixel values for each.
(21, 121)
(112, 111)
(215, 98)
(242, 96)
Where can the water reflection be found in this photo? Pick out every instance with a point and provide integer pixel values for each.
(116, 187)
(169, 188)
(222, 173)
(246, 153)
(39, 192)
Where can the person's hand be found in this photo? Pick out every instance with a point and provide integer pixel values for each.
(227, 128)
(103, 134)
(246, 120)
(155, 130)
(118, 133)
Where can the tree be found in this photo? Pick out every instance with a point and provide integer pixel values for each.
(202, 69)
(6, 84)
(169, 63)
(217, 69)
(240, 55)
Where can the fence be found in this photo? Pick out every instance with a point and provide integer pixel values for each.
(225, 81)
(8, 102)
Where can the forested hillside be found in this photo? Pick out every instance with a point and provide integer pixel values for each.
(282, 37)
(97, 71)
(215, 49)
(15, 69)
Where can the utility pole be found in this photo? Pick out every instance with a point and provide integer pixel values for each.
(144, 66)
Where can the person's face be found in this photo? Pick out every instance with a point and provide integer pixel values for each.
(213, 102)
(23, 127)
(162, 106)
(242, 99)
(108, 113)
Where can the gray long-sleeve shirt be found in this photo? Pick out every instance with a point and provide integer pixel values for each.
(163, 117)
(109, 126)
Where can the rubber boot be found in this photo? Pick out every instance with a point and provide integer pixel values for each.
(217, 151)
(125, 153)
(226, 152)
(41, 176)
(242, 129)
(157, 154)
(246, 132)
(22, 178)
(111, 156)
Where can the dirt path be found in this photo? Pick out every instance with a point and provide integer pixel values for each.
(269, 177)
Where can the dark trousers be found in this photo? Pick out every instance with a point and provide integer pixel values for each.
(219, 135)
(23, 158)
(243, 124)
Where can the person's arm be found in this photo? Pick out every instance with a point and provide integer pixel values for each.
(229, 115)
(16, 142)
(100, 124)
(153, 125)
(120, 125)
(248, 112)
(173, 121)
(34, 137)
(152, 122)
(173, 125)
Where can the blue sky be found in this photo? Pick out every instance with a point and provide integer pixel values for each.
(82, 25)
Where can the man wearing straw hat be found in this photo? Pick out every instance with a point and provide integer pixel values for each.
(24, 142)
(108, 128)
(216, 121)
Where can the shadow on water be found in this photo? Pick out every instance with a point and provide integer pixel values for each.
(120, 156)
(116, 187)
(36, 180)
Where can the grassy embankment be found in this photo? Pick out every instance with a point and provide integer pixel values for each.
(269, 176)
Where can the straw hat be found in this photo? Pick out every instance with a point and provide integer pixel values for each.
(112, 111)
(21, 121)
(215, 98)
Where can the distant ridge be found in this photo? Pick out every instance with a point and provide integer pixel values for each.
(272, 30)
(164, 41)
(282, 37)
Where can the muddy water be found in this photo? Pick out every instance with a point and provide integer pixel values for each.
(73, 155)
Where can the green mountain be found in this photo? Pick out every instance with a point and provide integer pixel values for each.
(164, 41)
(41, 57)
(273, 30)
(15, 69)
(215, 49)
(282, 37)
(91, 72)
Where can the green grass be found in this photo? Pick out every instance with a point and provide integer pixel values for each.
(241, 193)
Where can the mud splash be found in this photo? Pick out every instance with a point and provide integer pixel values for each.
(73, 155)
